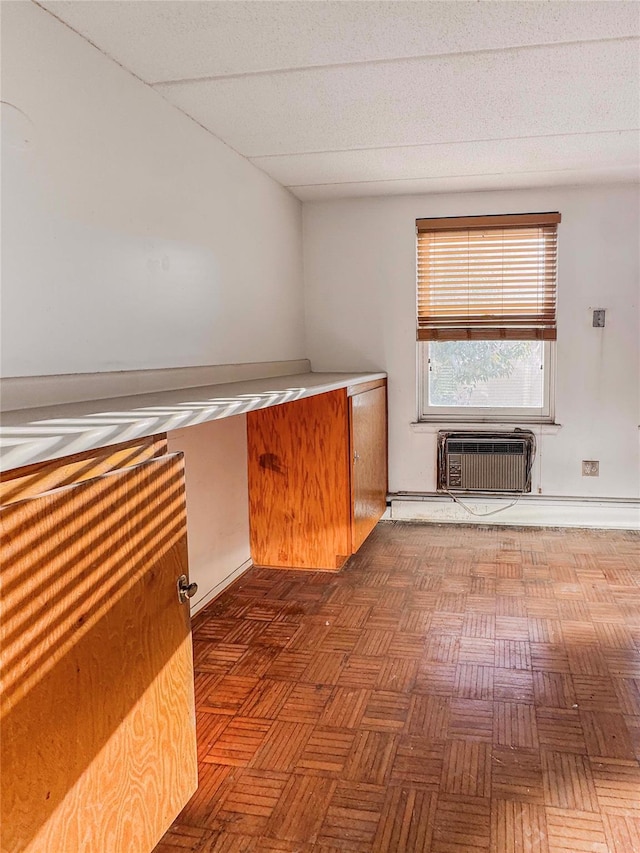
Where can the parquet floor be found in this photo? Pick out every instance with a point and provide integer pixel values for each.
(452, 690)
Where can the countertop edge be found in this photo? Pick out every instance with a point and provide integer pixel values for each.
(43, 434)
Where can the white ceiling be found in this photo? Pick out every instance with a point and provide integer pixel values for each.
(356, 98)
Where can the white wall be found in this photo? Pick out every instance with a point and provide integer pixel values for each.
(217, 500)
(359, 260)
(131, 237)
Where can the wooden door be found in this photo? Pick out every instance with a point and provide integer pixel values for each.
(368, 420)
(98, 748)
(299, 496)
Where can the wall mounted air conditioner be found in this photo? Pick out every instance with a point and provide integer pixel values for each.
(485, 462)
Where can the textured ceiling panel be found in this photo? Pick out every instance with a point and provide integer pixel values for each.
(526, 92)
(337, 98)
(478, 183)
(174, 39)
(548, 153)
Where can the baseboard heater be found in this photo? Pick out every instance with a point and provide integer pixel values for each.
(485, 462)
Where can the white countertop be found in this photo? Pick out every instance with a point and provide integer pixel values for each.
(51, 432)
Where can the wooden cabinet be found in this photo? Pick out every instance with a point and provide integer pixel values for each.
(98, 745)
(317, 477)
(368, 422)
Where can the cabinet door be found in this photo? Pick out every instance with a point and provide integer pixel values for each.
(298, 463)
(98, 747)
(368, 417)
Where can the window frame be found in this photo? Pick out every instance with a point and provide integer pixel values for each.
(486, 414)
(429, 332)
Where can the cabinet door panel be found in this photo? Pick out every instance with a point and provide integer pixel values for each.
(298, 462)
(98, 722)
(369, 461)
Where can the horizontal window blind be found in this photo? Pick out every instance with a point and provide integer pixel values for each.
(487, 278)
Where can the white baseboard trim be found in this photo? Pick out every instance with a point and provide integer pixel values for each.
(219, 587)
(540, 512)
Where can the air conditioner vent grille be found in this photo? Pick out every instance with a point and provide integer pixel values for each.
(516, 448)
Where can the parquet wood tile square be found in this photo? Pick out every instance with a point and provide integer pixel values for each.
(474, 650)
(442, 648)
(568, 781)
(595, 693)
(513, 685)
(549, 657)
(617, 784)
(554, 690)
(371, 757)
(561, 729)
(606, 735)
(266, 700)
(543, 630)
(398, 674)
(473, 681)
(406, 823)
(250, 801)
(386, 711)
(451, 690)
(622, 833)
(518, 827)
(429, 717)
(461, 824)
(514, 724)
(326, 752)
(305, 703)
(300, 810)
(471, 719)
(352, 818)
(516, 775)
(180, 839)
(238, 742)
(466, 768)
(281, 750)
(572, 831)
(436, 679)
(361, 672)
(289, 665)
(345, 708)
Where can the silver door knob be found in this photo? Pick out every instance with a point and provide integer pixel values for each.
(356, 456)
(186, 590)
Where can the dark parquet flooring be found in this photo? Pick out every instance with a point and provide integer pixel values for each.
(451, 690)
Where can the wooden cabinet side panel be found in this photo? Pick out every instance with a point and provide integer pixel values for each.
(32, 480)
(299, 496)
(368, 421)
(98, 746)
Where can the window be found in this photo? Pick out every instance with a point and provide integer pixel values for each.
(486, 317)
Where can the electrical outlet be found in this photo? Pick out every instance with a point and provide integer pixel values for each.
(598, 318)
(590, 468)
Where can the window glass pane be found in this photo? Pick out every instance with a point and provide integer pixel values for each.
(491, 374)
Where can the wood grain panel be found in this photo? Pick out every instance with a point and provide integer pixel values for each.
(31, 480)
(98, 722)
(368, 420)
(365, 386)
(299, 483)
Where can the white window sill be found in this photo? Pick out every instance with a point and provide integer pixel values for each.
(462, 426)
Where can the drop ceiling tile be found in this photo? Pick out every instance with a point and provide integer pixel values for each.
(478, 183)
(577, 88)
(174, 39)
(548, 153)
